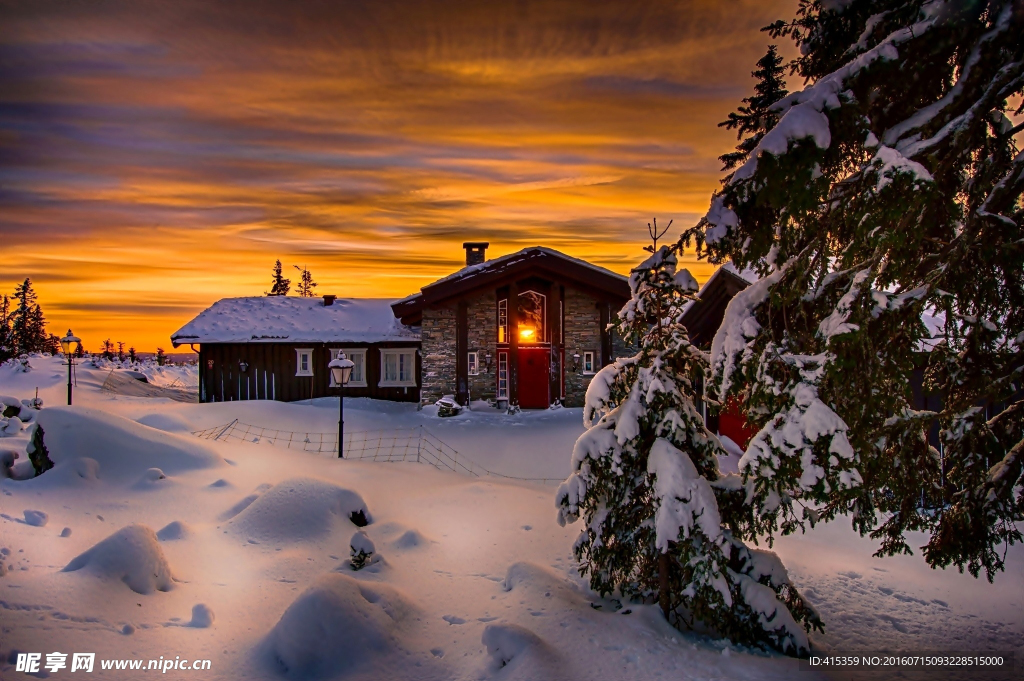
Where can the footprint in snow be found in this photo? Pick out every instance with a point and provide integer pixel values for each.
(453, 619)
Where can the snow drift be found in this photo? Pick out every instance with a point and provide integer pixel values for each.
(122, 449)
(131, 555)
(299, 509)
(338, 626)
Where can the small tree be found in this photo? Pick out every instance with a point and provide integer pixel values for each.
(758, 116)
(120, 351)
(132, 356)
(7, 347)
(161, 357)
(306, 283)
(79, 350)
(37, 452)
(660, 522)
(28, 327)
(280, 286)
(108, 349)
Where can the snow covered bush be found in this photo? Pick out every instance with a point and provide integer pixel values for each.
(659, 521)
(362, 549)
(37, 452)
(884, 194)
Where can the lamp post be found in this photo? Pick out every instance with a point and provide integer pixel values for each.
(66, 345)
(341, 370)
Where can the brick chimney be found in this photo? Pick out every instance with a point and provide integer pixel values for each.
(329, 300)
(475, 252)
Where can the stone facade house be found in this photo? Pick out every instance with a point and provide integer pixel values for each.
(526, 329)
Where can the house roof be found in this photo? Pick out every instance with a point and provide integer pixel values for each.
(491, 272)
(291, 319)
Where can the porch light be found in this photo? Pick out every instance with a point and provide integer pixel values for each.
(575, 361)
(242, 366)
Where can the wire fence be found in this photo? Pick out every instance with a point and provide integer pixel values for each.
(415, 444)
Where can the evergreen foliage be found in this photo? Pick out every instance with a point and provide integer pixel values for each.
(306, 283)
(38, 454)
(161, 357)
(756, 118)
(280, 286)
(886, 195)
(7, 349)
(660, 522)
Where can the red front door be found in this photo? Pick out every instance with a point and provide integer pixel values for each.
(534, 380)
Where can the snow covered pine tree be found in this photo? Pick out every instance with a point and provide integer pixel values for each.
(888, 189)
(660, 522)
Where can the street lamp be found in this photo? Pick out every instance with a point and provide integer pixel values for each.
(66, 345)
(341, 370)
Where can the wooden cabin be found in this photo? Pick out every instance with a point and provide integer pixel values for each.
(278, 348)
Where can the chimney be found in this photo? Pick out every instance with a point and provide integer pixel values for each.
(329, 300)
(475, 252)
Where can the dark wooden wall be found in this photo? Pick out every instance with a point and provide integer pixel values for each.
(270, 374)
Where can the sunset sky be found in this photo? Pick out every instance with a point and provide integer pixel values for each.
(158, 156)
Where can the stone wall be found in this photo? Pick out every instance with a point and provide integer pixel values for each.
(437, 337)
(582, 334)
(482, 318)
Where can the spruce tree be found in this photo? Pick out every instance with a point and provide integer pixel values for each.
(660, 523)
(280, 286)
(25, 319)
(888, 194)
(161, 357)
(306, 283)
(754, 120)
(6, 338)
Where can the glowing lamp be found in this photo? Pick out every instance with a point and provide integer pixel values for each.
(67, 341)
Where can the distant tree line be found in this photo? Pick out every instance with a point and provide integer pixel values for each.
(22, 324)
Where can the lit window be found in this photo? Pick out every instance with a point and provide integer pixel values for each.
(503, 321)
(358, 377)
(532, 307)
(588, 362)
(397, 368)
(527, 334)
(473, 363)
(303, 362)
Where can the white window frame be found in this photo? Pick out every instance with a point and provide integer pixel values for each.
(588, 359)
(299, 352)
(351, 353)
(473, 363)
(408, 352)
(502, 376)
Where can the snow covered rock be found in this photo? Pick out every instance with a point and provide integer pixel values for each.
(36, 518)
(299, 509)
(124, 449)
(131, 555)
(11, 428)
(339, 626)
(169, 423)
(510, 645)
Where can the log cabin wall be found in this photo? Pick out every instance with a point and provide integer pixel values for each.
(271, 372)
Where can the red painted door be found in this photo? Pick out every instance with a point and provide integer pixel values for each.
(732, 423)
(534, 381)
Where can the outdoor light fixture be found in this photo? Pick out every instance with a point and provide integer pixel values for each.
(66, 344)
(242, 366)
(487, 361)
(575, 361)
(341, 370)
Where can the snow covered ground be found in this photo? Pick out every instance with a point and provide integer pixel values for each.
(145, 541)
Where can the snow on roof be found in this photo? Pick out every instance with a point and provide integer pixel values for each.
(291, 319)
(505, 259)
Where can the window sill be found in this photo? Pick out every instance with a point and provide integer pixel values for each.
(382, 384)
(350, 384)
(309, 373)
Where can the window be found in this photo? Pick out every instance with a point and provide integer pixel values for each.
(502, 375)
(397, 368)
(358, 377)
(304, 362)
(588, 362)
(532, 308)
(503, 321)
(473, 363)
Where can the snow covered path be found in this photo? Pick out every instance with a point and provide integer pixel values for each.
(474, 572)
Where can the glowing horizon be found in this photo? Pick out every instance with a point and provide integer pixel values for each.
(160, 156)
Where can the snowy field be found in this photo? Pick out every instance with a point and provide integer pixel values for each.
(238, 553)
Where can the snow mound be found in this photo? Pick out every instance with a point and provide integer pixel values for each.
(123, 449)
(518, 648)
(36, 518)
(535, 580)
(132, 555)
(202, 616)
(410, 539)
(338, 626)
(174, 531)
(169, 423)
(299, 509)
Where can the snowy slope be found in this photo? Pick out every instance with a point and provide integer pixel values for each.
(239, 553)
